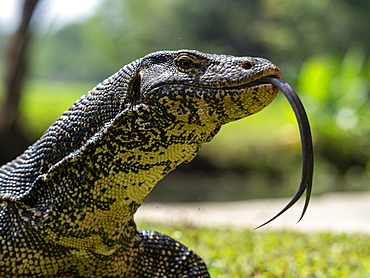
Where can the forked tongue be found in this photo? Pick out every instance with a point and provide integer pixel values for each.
(306, 142)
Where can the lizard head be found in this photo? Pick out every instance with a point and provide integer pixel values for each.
(200, 88)
(207, 89)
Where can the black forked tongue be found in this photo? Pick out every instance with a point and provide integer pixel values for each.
(306, 141)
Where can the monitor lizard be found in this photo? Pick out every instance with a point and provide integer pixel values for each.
(68, 202)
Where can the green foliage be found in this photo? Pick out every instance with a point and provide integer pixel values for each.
(69, 54)
(246, 253)
(336, 91)
(287, 32)
(300, 29)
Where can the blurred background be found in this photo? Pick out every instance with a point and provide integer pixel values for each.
(52, 52)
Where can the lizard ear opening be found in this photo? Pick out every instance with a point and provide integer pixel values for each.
(134, 91)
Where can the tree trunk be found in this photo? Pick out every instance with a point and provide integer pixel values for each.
(12, 140)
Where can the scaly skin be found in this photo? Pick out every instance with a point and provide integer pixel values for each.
(68, 202)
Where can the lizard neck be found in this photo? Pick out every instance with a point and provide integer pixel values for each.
(82, 122)
(109, 180)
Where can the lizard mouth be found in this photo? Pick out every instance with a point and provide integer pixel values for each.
(306, 142)
(255, 83)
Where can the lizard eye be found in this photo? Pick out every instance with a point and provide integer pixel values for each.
(185, 63)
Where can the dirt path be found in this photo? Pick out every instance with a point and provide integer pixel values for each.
(334, 212)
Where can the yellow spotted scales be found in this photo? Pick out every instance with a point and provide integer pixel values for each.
(68, 202)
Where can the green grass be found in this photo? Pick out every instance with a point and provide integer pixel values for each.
(246, 253)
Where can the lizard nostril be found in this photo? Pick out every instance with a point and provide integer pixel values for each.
(247, 65)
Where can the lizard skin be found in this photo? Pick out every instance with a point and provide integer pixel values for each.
(68, 202)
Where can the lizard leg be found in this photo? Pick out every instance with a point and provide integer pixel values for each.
(163, 256)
